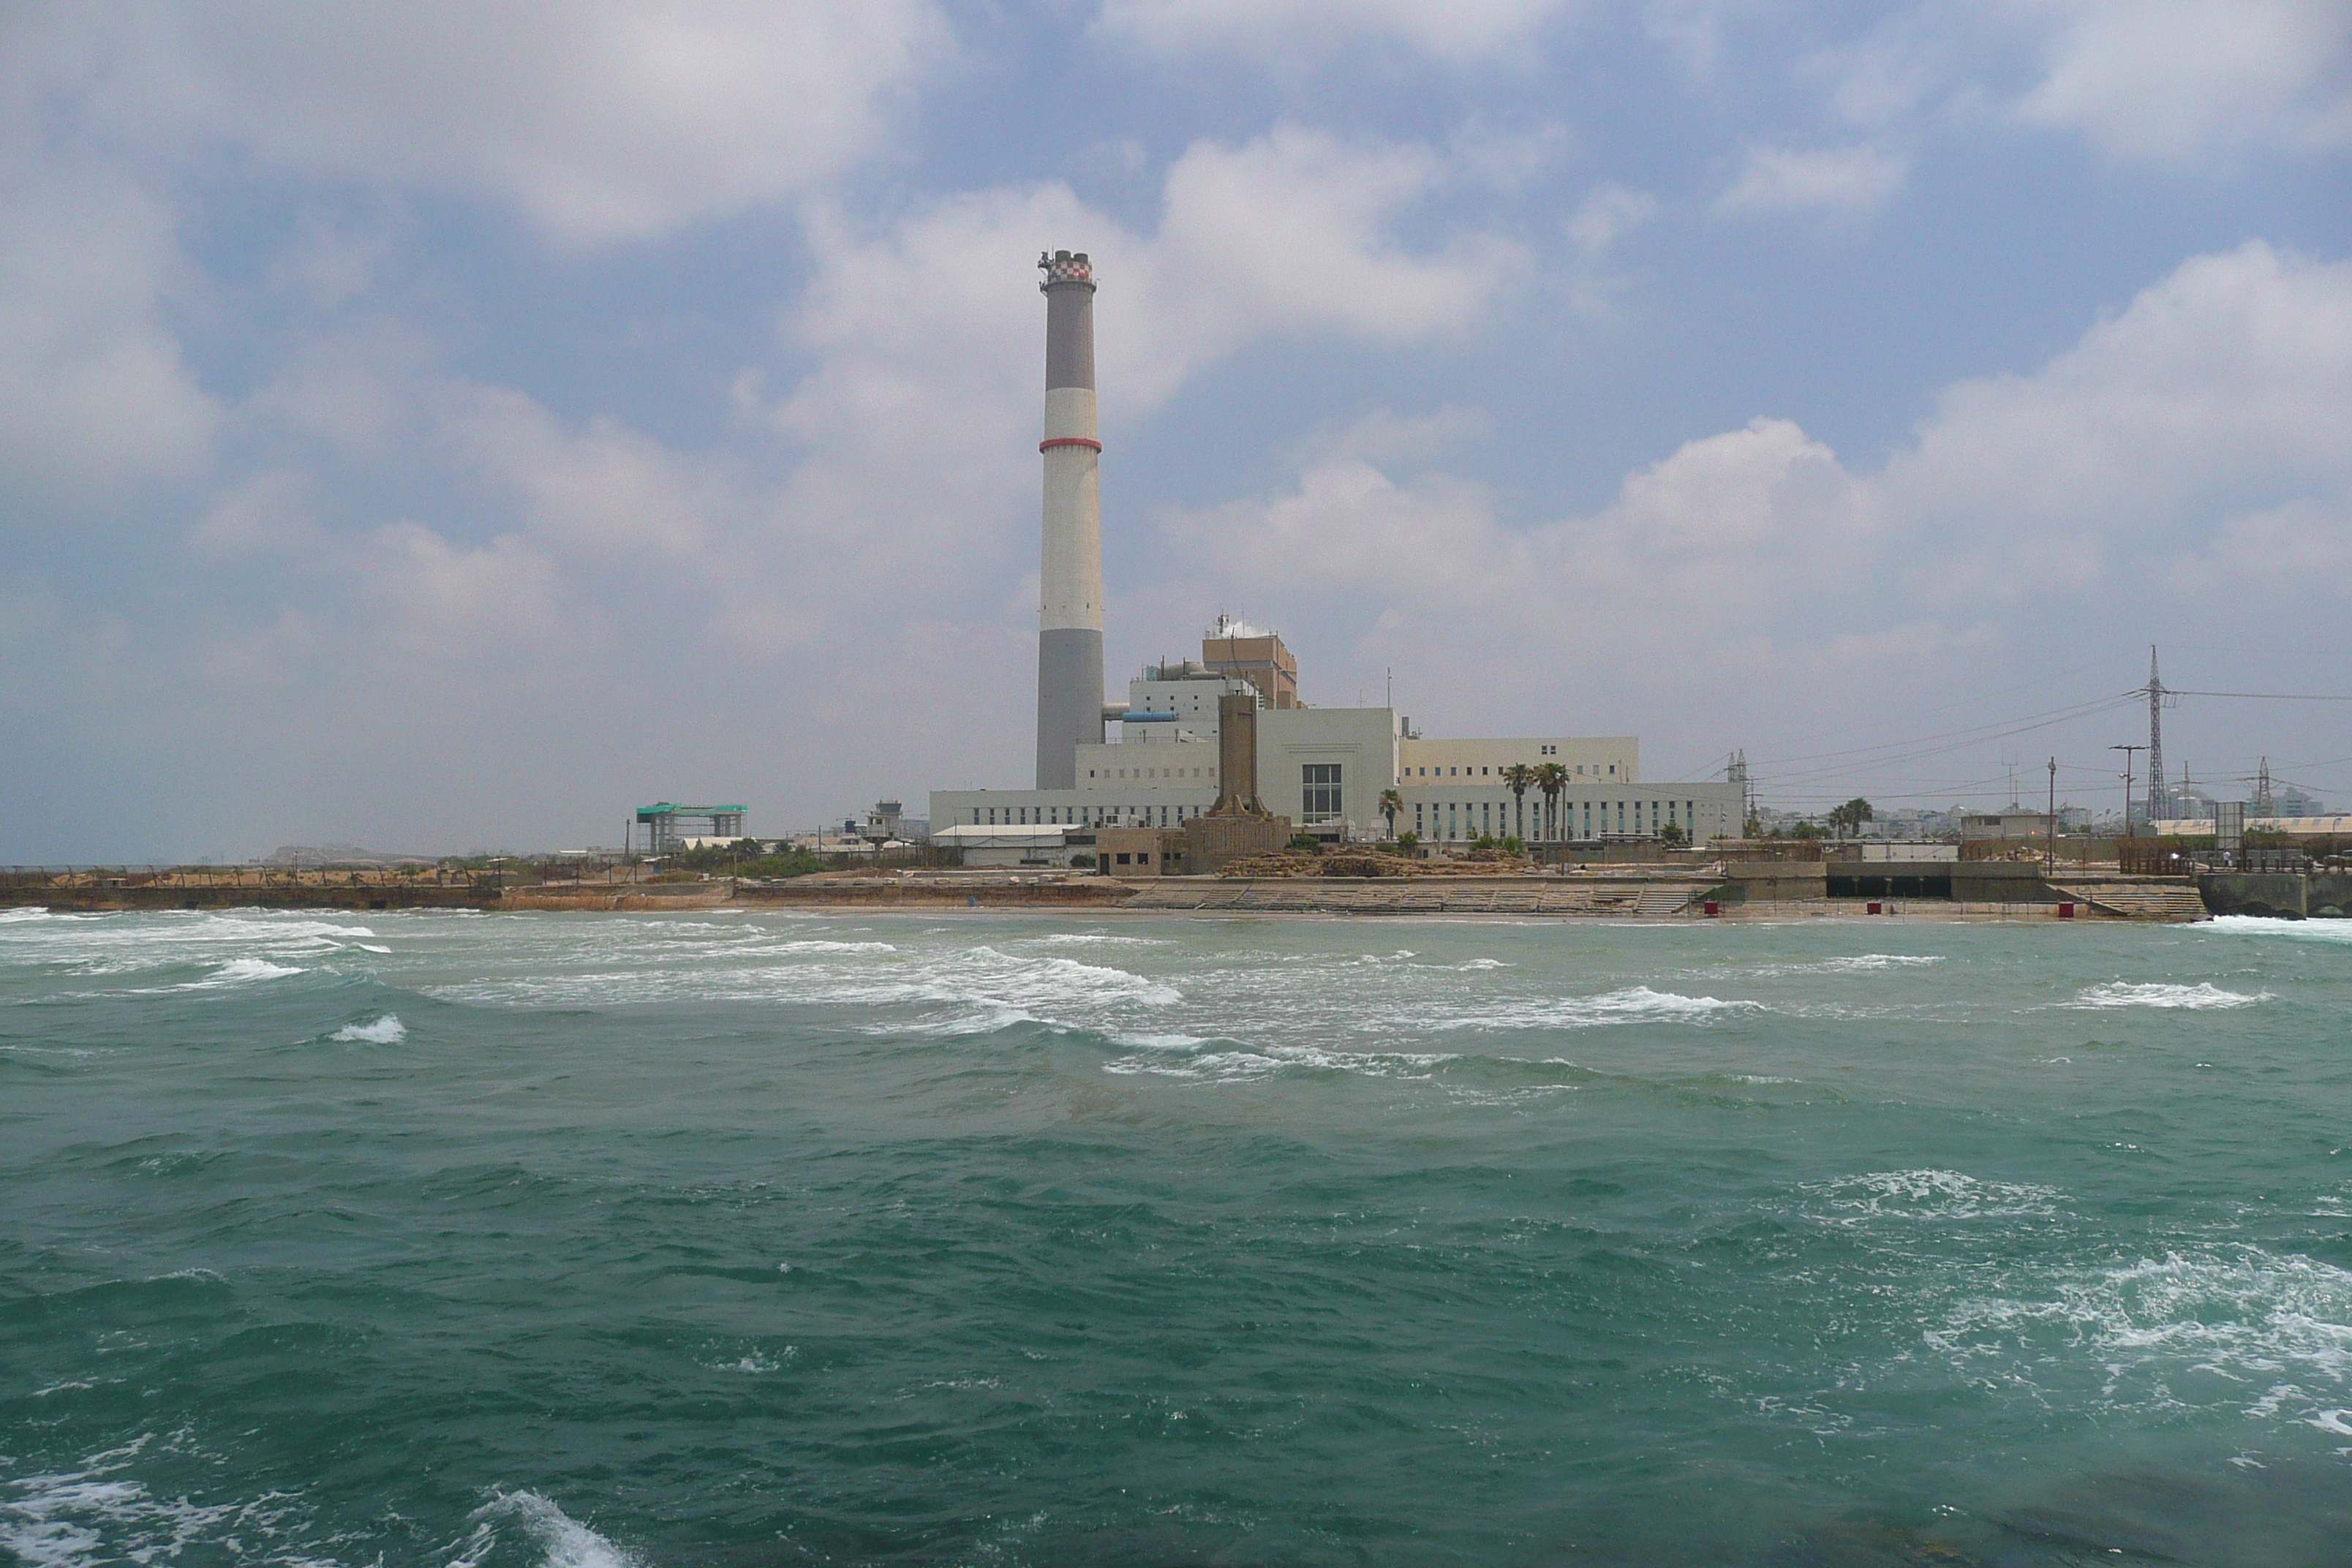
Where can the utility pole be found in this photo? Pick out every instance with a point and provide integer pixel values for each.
(2127, 751)
(2049, 832)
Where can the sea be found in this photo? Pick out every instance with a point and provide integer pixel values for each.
(553, 1240)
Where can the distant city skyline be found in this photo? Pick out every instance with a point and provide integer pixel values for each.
(430, 429)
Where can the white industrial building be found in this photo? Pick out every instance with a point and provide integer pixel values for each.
(1326, 768)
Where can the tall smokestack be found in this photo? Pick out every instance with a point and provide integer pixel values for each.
(1069, 617)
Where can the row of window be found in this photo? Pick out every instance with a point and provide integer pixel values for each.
(1489, 818)
(1081, 815)
(1211, 773)
(1579, 772)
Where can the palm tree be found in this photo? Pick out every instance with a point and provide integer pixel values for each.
(1849, 818)
(1520, 777)
(1553, 779)
(1392, 802)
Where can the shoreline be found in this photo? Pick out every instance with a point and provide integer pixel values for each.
(1648, 898)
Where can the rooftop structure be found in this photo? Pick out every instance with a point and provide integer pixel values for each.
(667, 826)
(1254, 656)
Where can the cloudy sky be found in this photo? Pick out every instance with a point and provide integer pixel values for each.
(441, 426)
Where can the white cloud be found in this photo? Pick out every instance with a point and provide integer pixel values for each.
(1693, 30)
(2305, 544)
(1295, 233)
(605, 492)
(2194, 439)
(275, 509)
(599, 119)
(2230, 378)
(95, 394)
(1453, 31)
(2176, 81)
(1388, 439)
(443, 601)
(929, 345)
(1606, 215)
(1833, 179)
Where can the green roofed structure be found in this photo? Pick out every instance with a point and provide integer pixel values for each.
(668, 825)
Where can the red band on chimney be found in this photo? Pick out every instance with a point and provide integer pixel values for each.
(1070, 441)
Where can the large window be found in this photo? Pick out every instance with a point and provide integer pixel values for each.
(1319, 791)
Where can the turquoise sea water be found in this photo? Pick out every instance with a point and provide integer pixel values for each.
(579, 1240)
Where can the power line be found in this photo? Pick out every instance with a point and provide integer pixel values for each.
(2065, 717)
(2081, 710)
(2261, 696)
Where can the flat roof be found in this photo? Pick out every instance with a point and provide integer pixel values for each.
(665, 808)
(983, 833)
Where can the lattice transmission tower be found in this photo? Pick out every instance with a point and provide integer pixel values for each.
(2159, 700)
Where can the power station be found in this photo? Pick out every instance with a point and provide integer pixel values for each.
(1333, 772)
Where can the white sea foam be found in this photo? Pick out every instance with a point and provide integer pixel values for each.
(2324, 930)
(1246, 1063)
(815, 944)
(1930, 1195)
(2203, 994)
(241, 971)
(238, 948)
(1636, 1003)
(1077, 939)
(564, 1542)
(981, 988)
(96, 1514)
(2256, 1319)
(387, 1030)
(1159, 1042)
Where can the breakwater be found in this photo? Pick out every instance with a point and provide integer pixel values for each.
(1748, 890)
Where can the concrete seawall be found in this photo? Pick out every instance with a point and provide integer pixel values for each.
(2285, 895)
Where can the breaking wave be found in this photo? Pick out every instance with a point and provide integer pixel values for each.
(2276, 1329)
(1930, 1195)
(387, 1030)
(2203, 994)
(2337, 931)
(1633, 1004)
(97, 1514)
(537, 1531)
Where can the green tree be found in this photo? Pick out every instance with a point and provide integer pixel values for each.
(1848, 818)
(1553, 779)
(1520, 778)
(1391, 803)
(1673, 835)
(1409, 841)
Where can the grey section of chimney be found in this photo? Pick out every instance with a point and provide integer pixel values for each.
(1069, 702)
(1069, 335)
